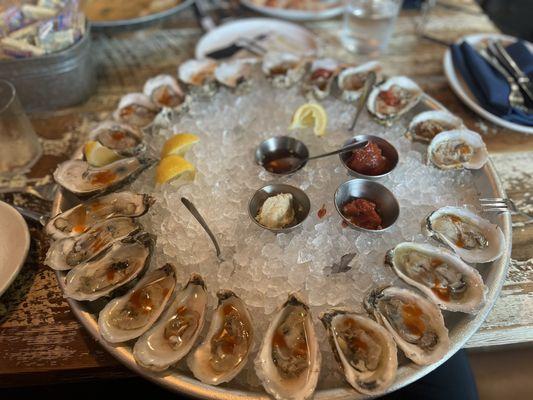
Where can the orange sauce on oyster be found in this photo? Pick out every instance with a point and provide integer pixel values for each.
(412, 318)
(103, 177)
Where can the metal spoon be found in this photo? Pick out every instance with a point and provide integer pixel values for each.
(361, 101)
(196, 214)
(293, 163)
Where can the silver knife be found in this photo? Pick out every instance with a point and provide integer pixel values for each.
(507, 61)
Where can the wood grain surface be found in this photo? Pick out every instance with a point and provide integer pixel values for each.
(40, 340)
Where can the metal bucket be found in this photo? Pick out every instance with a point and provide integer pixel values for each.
(52, 81)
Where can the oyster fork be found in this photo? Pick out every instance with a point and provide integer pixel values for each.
(500, 205)
(46, 191)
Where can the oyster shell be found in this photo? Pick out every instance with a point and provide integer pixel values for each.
(232, 73)
(79, 219)
(129, 316)
(83, 180)
(288, 363)
(393, 98)
(136, 109)
(173, 336)
(122, 263)
(197, 72)
(321, 76)
(426, 125)
(440, 275)
(284, 69)
(164, 91)
(68, 252)
(351, 80)
(415, 323)
(365, 351)
(458, 148)
(225, 350)
(471, 237)
(125, 139)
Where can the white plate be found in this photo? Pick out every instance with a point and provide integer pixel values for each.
(295, 15)
(462, 90)
(282, 36)
(14, 244)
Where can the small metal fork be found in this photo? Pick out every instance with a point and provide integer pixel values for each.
(500, 205)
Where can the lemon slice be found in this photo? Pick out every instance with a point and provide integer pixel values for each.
(179, 144)
(310, 115)
(174, 167)
(98, 155)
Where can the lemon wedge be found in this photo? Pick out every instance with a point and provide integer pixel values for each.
(98, 155)
(179, 144)
(310, 115)
(174, 167)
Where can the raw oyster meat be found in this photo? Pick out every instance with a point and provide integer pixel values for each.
(440, 275)
(79, 219)
(129, 316)
(393, 98)
(68, 252)
(122, 263)
(351, 80)
(365, 351)
(173, 336)
(428, 124)
(83, 180)
(231, 73)
(197, 72)
(136, 109)
(471, 237)
(321, 76)
(164, 91)
(288, 363)
(283, 68)
(415, 323)
(225, 350)
(125, 139)
(458, 148)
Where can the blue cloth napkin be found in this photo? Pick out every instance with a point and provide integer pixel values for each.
(488, 86)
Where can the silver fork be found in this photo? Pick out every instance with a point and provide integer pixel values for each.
(500, 205)
(43, 192)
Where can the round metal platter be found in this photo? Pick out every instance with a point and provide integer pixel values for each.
(139, 22)
(295, 15)
(461, 326)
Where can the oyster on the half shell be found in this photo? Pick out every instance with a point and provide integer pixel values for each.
(129, 316)
(470, 236)
(284, 69)
(173, 336)
(164, 91)
(136, 109)
(288, 363)
(122, 263)
(428, 124)
(415, 323)
(458, 148)
(393, 98)
(83, 180)
(125, 139)
(365, 350)
(79, 219)
(197, 72)
(351, 80)
(225, 350)
(68, 252)
(232, 73)
(321, 77)
(440, 275)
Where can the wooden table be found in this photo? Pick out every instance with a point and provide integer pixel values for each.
(41, 341)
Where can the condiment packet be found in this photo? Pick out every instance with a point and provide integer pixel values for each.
(20, 48)
(35, 13)
(56, 40)
(10, 20)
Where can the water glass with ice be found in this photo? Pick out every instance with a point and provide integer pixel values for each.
(19, 145)
(368, 25)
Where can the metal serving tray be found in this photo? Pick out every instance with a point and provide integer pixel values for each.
(461, 326)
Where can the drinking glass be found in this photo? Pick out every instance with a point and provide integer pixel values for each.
(368, 25)
(19, 145)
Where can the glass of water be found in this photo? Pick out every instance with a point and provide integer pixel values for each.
(19, 145)
(368, 25)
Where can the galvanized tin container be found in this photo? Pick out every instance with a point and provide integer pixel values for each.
(57, 80)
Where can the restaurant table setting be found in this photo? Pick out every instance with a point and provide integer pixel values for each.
(312, 209)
